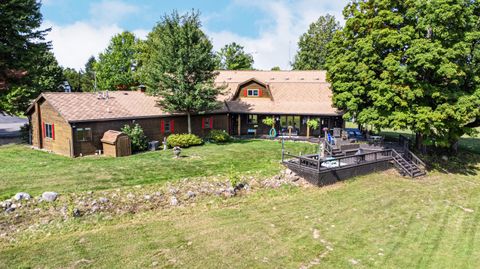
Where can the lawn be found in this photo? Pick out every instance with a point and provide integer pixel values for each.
(24, 169)
(375, 221)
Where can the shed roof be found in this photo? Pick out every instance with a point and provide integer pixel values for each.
(111, 136)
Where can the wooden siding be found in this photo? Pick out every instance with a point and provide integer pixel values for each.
(254, 86)
(45, 113)
(151, 128)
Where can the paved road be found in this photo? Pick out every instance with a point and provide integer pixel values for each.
(10, 125)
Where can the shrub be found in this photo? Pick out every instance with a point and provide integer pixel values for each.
(137, 137)
(183, 140)
(218, 136)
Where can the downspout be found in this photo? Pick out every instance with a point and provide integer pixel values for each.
(72, 148)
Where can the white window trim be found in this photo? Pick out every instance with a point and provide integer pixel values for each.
(253, 91)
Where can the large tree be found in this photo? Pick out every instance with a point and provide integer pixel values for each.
(21, 40)
(313, 45)
(233, 57)
(116, 65)
(409, 64)
(45, 75)
(178, 65)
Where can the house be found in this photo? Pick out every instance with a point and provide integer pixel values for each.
(73, 124)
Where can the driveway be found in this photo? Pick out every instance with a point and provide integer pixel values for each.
(10, 125)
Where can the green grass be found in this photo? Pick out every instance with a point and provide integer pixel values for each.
(380, 220)
(24, 169)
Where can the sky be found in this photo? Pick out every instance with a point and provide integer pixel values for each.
(268, 29)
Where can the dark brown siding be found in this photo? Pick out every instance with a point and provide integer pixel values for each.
(63, 133)
(151, 128)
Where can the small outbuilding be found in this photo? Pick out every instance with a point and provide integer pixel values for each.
(116, 144)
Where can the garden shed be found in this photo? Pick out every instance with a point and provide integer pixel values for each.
(116, 144)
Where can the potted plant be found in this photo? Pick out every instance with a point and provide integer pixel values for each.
(270, 121)
(311, 124)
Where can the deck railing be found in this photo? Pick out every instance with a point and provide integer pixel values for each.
(312, 161)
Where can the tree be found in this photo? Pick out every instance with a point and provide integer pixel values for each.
(74, 78)
(178, 66)
(313, 45)
(409, 64)
(233, 57)
(276, 68)
(116, 66)
(46, 75)
(88, 79)
(21, 41)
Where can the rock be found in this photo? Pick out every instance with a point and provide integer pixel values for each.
(130, 196)
(173, 191)
(158, 194)
(103, 200)
(14, 206)
(6, 203)
(76, 213)
(147, 197)
(173, 201)
(191, 194)
(49, 196)
(9, 210)
(22, 196)
(94, 209)
(89, 192)
(316, 234)
(445, 158)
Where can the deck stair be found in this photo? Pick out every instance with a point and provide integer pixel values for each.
(408, 164)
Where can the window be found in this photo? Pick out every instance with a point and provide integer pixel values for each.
(252, 119)
(48, 130)
(167, 126)
(207, 123)
(252, 92)
(84, 134)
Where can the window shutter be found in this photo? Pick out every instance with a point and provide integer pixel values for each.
(162, 126)
(203, 123)
(43, 129)
(53, 131)
(211, 122)
(172, 126)
(245, 92)
(259, 92)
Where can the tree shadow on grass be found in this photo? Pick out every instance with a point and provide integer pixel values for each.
(464, 163)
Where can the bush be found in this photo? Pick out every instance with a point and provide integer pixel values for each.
(218, 136)
(137, 137)
(25, 133)
(270, 121)
(183, 140)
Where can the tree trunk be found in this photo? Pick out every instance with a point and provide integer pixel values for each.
(419, 142)
(189, 123)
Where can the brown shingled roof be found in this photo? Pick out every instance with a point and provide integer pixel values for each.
(294, 92)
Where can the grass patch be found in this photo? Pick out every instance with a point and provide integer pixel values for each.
(33, 171)
(379, 221)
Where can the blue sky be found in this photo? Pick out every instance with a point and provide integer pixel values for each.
(269, 29)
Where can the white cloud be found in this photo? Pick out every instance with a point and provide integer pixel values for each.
(107, 11)
(276, 44)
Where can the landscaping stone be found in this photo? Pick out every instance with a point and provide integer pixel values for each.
(6, 204)
(191, 194)
(147, 197)
(22, 196)
(49, 196)
(173, 201)
(76, 213)
(103, 200)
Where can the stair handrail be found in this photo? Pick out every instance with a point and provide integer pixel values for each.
(415, 159)
(328, 147)
(396, 155)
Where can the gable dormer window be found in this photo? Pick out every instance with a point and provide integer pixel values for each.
(253, 92)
